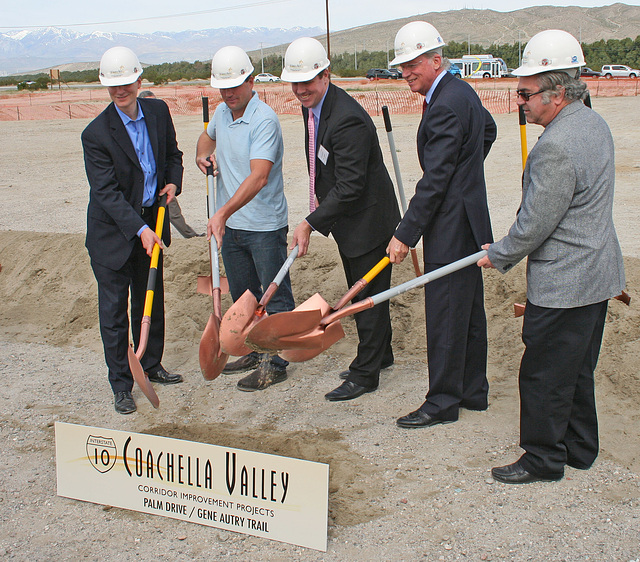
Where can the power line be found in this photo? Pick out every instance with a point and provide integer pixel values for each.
(184, 14)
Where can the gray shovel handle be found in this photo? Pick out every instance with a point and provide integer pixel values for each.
(427, 277)
(215, 266)
(394, 158)
(286, 265)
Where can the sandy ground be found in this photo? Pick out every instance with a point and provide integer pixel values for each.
(394, 494)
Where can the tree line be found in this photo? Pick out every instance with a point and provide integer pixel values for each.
(612, 51)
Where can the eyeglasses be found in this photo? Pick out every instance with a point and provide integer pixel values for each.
(526, 95)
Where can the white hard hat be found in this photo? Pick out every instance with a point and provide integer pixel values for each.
(414, 39)
(119, 66)
(230, 67)
(551, 50)
(305, 59)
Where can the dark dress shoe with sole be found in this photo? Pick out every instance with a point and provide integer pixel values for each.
(419, 419)
(347, 391)
(158, 374)
(124, 403)
(515, 474)
(245, 363)
(264, 376)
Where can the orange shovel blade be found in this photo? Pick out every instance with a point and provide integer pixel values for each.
(140, 377)
(236, 324)
(205, 285)
(331, 334)
(212, 358)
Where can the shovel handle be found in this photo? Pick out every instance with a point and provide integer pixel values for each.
(523, 135)
(205, 111)
(362, 283)
(394, 158)
(273, 286)
(145, 326)
(396, 169)
(403, 288)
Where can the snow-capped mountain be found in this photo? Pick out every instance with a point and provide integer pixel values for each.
(27, 50)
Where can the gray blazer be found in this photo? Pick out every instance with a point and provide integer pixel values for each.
(565, 222)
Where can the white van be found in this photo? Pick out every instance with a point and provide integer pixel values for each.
(619, 71)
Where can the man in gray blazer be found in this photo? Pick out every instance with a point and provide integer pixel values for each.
(565, 227)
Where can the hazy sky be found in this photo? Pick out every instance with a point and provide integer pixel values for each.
(117, 15)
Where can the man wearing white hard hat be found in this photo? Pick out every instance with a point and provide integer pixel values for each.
(250, 223)
(131, 158)
(351, 197)
(449, 210)
(564, 227)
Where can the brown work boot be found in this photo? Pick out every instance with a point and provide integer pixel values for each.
(264, 376)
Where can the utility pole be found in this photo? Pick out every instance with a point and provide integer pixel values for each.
(261, 57)
(355, 56)
(519, 50)
(328, 44)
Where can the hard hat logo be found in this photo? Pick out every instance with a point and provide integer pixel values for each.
(545, 62)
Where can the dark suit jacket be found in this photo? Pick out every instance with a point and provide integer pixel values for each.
(357, 202)
(117, 182)
(450, 204)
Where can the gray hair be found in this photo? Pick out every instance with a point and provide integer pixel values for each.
(430, 54)
(553, 82)
(146, 94)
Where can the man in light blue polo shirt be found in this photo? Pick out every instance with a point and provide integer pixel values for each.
(244, 142)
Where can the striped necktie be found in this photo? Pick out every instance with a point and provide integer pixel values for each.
(312, 162)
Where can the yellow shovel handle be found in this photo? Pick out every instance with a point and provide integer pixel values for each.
(376, 269)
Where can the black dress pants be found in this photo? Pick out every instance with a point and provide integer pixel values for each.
(373, 324)
(114, 288)
(456, 343)
(558, 421)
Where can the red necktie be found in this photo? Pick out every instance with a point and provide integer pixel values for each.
(424, 106)
(312, 162)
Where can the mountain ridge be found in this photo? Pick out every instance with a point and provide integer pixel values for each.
(25, 50)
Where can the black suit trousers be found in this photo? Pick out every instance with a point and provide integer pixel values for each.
(558, 420)
(456, 343)
(374, 324)
(114, 289)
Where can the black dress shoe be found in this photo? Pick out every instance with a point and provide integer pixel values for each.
(245, 363)
(124, 402)
(515, 474)
(419, 419)
(267, 374)
(158, 374)
(347, 391)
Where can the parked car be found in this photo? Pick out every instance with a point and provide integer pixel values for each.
(586, 72)
(619, 71)
(266, 77)
(396, 73)
(382, 74)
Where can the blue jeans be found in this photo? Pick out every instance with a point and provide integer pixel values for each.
(251, 261)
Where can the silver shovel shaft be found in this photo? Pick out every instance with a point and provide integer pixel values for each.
(403, 288)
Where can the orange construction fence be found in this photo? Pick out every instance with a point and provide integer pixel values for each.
(85, 103)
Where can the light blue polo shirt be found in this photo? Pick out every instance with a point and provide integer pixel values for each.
(254, 136)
